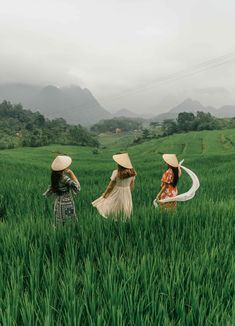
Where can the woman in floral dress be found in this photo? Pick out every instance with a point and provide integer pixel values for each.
(64, 184)
(169, 181)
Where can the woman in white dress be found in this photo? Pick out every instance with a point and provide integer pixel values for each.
(116, 201)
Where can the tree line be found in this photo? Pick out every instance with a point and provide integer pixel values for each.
(122, 123)
(20, 127)
(185, 122)
(188, 121)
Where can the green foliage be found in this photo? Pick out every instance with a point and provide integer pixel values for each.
(154, 124)
(80, 136)
(157, 269)
(95, 151)
(187, 121)
(169, 127)
(146, 133)
(19, 127)
(110, 125)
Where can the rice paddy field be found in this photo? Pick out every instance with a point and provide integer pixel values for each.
(159, 268)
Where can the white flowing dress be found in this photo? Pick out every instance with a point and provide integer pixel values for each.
(119, 201)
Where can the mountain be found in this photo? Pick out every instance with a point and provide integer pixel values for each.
(74, 104)
(227, 111)
(18, 93)
(125, 113)
(190, 105)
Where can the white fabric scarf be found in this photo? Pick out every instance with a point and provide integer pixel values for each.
(187, 195)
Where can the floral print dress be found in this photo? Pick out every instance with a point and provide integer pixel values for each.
(170, 191)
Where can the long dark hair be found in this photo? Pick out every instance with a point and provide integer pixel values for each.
(55, 180)
(124, 173)
(176, 175)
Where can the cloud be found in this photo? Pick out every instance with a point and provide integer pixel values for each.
(114, 46)
(212, 91)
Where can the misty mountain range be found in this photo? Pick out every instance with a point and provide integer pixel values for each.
(125, 113)
(77, 105)
(74, 104)
(189, 105)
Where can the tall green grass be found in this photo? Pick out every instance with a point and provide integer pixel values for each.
(159, 268)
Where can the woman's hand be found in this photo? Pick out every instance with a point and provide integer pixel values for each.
(108, 189)
(157, 198)
(72, 175)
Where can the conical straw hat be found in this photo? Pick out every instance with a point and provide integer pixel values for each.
(171, 159)
(123, 160)
(61, 162)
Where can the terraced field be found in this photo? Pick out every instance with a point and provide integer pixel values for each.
(158, 268)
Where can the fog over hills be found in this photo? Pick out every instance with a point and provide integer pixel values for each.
(74, 104)
(79, 106)
(189, 105)
(126, 113)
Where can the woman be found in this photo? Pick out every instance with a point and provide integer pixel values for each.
(63, 186)
(169, 181)
(116, 201)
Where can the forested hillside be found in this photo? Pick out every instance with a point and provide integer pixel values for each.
(122, 123)
(19, 127)
(74, 104)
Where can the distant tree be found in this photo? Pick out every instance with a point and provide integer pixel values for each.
(39, 120)
(111, 125)
(80, 136)
(169, 127)
(154, 124)
(19, 127)
(146, 133)
(205, 121)
(185, 121)
(29, 126)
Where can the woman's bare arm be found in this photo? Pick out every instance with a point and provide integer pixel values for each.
(109, 189)
(162, 190)
(132, 185)
(72, 175)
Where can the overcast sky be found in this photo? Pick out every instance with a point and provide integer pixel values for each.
(137, 54)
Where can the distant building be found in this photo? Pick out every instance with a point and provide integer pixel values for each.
(118, 131)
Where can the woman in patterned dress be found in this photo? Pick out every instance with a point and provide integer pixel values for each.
(116, 201)
(169, 181)
(63, 187)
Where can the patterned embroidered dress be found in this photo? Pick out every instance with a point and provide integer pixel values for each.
(64, 207)
(170, 191)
